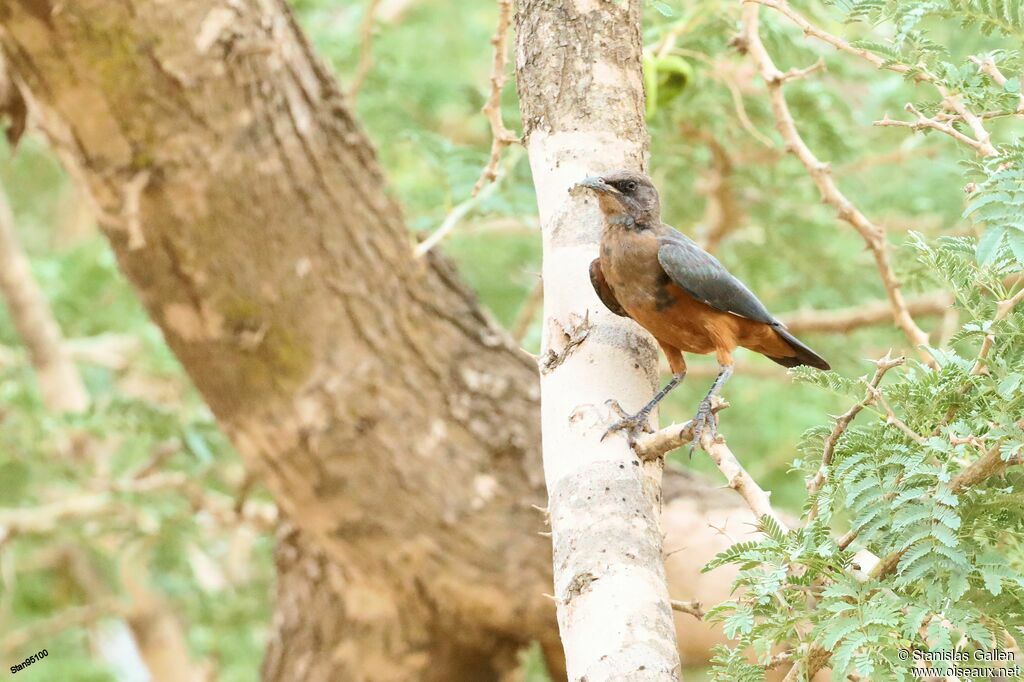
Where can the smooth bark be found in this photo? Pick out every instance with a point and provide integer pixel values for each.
(581, 96)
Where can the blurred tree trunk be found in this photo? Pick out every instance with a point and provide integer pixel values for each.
(581, 95)
(396, 425)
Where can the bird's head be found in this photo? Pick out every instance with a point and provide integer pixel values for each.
(626, 197)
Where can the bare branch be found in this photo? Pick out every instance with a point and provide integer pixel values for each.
(501, 136)
(1003, 309)
(988, 67)
(925, 123)
(461, 210)
(821, 174)
(651, 446)
(951, 100)
(694, 608)
(844, 320)
(892, 419)
(719, 73)
(59, 382)
(365, 49)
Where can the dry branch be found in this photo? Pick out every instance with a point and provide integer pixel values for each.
(501, 136)
(656, 444)
(59, 382)
(951, 101)
(844, 320)
(694, 608)
(821, 174)
(988, 67)
(365, 49)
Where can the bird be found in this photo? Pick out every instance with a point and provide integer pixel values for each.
(663, 280)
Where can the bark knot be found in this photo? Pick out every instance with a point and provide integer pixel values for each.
(579, 584)
(563, 340)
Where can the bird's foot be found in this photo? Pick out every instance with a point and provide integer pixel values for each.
(703, 422)
(632, 424)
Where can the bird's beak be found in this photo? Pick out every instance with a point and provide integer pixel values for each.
(597, 184)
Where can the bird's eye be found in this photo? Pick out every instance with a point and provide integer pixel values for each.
(630, 186)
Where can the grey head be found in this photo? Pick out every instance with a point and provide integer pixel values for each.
(626, 197)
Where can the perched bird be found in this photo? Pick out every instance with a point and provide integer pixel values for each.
(682, 295)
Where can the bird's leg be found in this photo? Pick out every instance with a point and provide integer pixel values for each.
(638, 422)
(705, 418)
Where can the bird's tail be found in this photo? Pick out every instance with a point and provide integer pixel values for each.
(804, 355)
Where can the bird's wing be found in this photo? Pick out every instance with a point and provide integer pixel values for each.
(604, 292)
(701, 275)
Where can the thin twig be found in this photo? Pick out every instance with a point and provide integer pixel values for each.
(951, 100)
(1003, 309)
(893, 420)
(365, 49)
(729, 82)
(988, 67)
(814, 485)
(925, 123)
(462, 209)
(501, 136)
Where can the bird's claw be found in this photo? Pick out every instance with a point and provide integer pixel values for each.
(705, 419)
(632, 424)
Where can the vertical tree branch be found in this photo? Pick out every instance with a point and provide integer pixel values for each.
(59, 382)
(581, 96)
(365, 49)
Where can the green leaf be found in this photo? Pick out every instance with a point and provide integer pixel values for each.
(740, 622)
(1012, 85)
(1015, 238)
(663, 9)
(1009, 385)
(988, 246)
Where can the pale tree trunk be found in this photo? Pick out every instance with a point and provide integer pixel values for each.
(60, 385)
(397, 427)
(581, 95)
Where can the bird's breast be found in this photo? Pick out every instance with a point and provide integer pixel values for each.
(629, 261)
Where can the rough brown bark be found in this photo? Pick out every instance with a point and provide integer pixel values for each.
(395, 424)
(390, 418)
